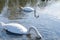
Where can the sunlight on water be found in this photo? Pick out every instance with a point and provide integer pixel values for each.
(53, 9)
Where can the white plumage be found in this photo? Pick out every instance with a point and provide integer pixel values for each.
(27, 9)
(19, 29)
(15, 28)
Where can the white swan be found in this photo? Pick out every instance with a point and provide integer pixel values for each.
(19, 29)
(26, 9)
(29, 9)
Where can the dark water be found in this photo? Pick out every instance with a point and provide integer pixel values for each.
(46, 25)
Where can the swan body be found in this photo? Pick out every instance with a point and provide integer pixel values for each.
(16, 28)
(27, 9)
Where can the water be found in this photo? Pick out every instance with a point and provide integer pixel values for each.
(53, 10)
(47, 24)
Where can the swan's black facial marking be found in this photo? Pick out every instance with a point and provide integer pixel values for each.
(38, 38)
(28, 35)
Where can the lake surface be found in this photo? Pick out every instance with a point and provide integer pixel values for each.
(47, 25)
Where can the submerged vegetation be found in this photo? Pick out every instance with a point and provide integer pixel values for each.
(19, 3)
(1, 4)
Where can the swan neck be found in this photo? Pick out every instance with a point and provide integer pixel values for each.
(36, 31)
(35, 15)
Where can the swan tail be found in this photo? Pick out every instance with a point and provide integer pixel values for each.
(2, 23)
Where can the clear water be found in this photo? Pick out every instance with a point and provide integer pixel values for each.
(47, 23)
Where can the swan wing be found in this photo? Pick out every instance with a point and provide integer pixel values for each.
(16, 28)
(28, 9)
